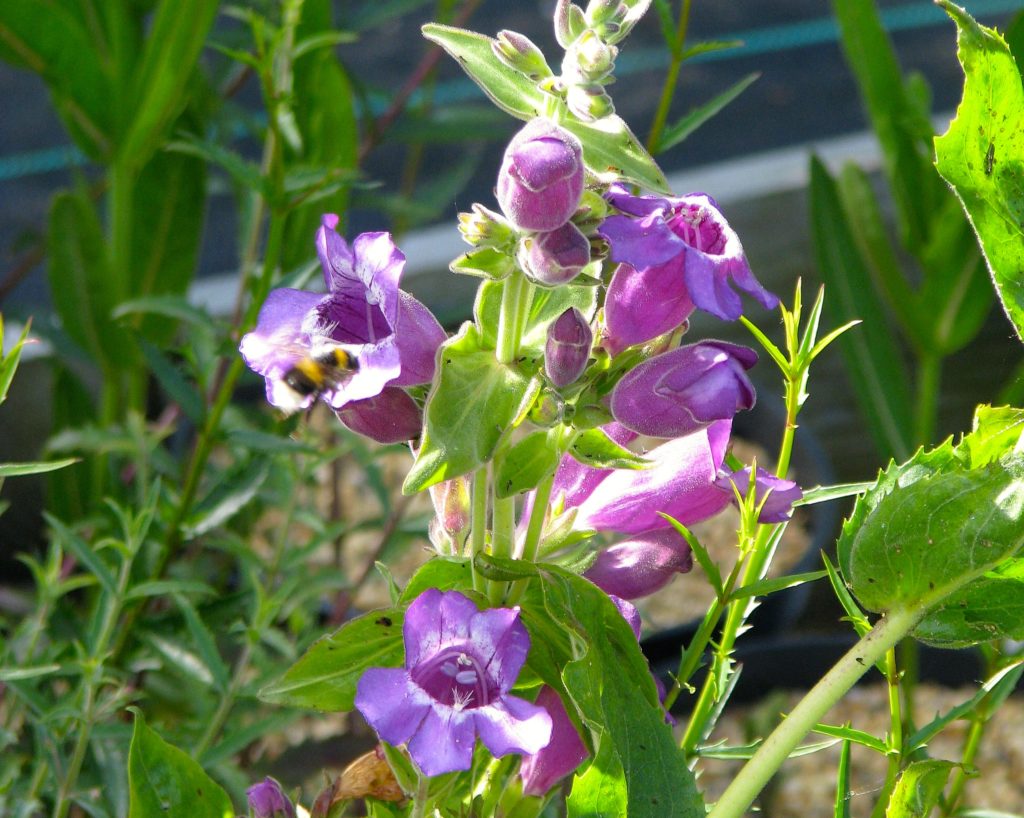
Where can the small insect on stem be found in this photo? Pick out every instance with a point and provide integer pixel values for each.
(990, 158)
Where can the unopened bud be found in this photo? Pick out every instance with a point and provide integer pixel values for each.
(569, 22)
(589, 101)
(485, 228)
(592, 211)
(541, 176)
(547, 410)
(555, 257)
(519, 52)
(594, 58)
(451, 504)
(267, 800)
(602, 11)
(568, 347)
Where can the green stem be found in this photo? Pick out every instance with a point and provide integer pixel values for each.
(960, 775)
(668, 88)
(754, 569)
(227, 701)
(926, 407)
(775, 749)
(419, 804)
(478, 524)
(541, 499)
(895, 737)
(510, 320)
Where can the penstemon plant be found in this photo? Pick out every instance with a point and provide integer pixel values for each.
(569, 437)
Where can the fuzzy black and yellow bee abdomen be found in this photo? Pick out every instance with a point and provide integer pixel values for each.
(336, 358)
(320, 371)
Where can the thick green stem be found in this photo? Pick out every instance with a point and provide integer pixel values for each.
(540, 507)
(668, 89)
(510, 320)
(833, 686)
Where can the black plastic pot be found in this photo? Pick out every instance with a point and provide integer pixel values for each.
(810, 467)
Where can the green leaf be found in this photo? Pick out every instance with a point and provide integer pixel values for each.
(226, 498)
(674, 134)
(842, 805)
(205, 644)
(176, 35)
(9, 361)
(847, 733)
(84, 553)
(524, 465)
(485, 262)
(173, 383)
(324, 111)
(510, 90)
(637, 769)
(325, 677)
(170, 306)
(163, 780)
(443, 573)
(873, 359)
(594, 448)
(56, 43)
(473, 404)
(919, 789)
(612, 152)
(17, 469)
(770, 586)
(81, 280)
(982, 155)
(17, 674)
(166, 587)
(503, 569)
(996, 432)
(929, 536)
(168, 204)
(244, 173)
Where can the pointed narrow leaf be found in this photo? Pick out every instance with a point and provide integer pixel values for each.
(674, 134)
(16, 469)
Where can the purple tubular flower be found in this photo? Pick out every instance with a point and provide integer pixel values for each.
(388, 333)
(390, 417)
(778, 506)
(680, 249)
(643, 304)
(641, 565)
(563, 754)
(568, 347)
(574, 481)
(684, 389)
(267, 800)
(460, 664)
(680, 482)
(555, 257)
(541, 177)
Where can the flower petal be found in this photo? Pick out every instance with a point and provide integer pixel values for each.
(436, 620)
(643, 304)
(391, 704)
(500, 640)
(513, 725)
(279, 340)
(561, 756)
(444, 741)
(419, 335)
(680, 483)
(390, 417)
(642, 564)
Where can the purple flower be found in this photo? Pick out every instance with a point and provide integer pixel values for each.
(390, 417)
(680, 482)
(563, 754)
(541, 177)
(780, 493)
(568, 347)
(460, 664)
(390, 335)
(676, 253)
(641, 565)
(684, 389)
(267, 800)
(555, 257)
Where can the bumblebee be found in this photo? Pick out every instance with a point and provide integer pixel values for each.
(319, 371)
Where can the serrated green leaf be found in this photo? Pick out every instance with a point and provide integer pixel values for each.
(674, 134)
(982, 155)
(594, 448)
(474, 403)
(510, 90)
(929, 536)
(996, 432)
(612, 152)
(847, 733)
(163, 780)
(524, 465)
(325, 677)
(872, 356)
(919, 789)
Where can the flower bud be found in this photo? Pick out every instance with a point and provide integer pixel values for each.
(451, 504)
(590, 59)
(685, 389)
(541, 178)
(589, 101)
(569, 22)
(555, 257)
(547, 410)
(267, 800)
(568, 347)
(485, 228)
(641, 565)
(601, 11)
(518, 51)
